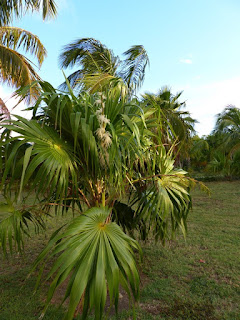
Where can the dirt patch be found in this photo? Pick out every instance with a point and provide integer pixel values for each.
(183, 310)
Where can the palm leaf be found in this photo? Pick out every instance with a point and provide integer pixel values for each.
(134, 66)
(51, 158)
(163, 201)
(101, 257)
(18, 71)
(16, 38)
(15, 224)
(4, 112)
(17, 8)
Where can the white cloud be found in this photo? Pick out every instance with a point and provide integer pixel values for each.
(186, 61)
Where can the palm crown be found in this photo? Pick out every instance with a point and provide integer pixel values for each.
(99, 66)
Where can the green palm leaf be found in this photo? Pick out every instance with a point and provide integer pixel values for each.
(99, 66)
(101, 257)
(134, 66)
(15, 69)
(163, 202)
(16, 38)
(52, 161)
(15, 225)
(17, 8)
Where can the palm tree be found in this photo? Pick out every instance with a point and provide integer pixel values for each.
(199, 152)
(17, 8)
(228, 124)
(225, 142)
(16, 69)
(175, 125)
(99, 66)
(85, 153)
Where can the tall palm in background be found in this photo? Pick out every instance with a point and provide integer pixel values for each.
(226, 139)
(98, 66)
(199, 153)
(228, 124)
(176, 126)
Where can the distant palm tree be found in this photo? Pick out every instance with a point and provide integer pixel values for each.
(228, 124)
(199, 152)
(97, 65)
(176, 126)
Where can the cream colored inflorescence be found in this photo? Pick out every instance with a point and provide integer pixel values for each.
(103, 135)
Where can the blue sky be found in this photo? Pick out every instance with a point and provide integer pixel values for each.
(193, 46)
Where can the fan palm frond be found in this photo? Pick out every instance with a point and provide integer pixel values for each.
(15, 225)
(102, 258)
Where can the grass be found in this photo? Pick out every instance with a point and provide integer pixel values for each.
(196, 279)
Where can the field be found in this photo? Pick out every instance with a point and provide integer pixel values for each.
(196, 279)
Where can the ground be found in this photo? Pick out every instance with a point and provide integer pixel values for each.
(196, 279)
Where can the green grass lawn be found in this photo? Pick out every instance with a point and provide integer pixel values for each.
(198, 279)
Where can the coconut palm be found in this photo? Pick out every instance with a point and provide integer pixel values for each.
(175, 126)
(228, 124)
(98, 66)
(16, 69)
(199, 152)
(225, 142)
(85, 153)
(175, 122)
(17, 8)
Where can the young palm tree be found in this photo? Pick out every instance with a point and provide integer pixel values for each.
(98, 66)
(86, 153)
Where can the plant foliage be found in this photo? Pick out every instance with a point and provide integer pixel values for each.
(86, 153)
